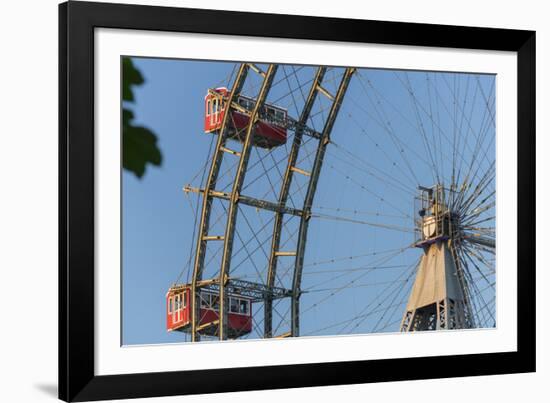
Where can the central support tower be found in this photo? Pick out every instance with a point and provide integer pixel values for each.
(438, 298)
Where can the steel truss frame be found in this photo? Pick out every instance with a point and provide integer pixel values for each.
(211, 181)
(255, 291)
(445, 314)
(260, 292)
(324, 140)
(234, 197)
(283, 196)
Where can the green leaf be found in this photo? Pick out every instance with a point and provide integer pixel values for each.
(130, 76)
(139, 147)
(127, 115)
(139, 144)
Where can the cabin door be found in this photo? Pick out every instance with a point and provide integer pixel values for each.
(178, 308)
(173, 307)
(214, 121)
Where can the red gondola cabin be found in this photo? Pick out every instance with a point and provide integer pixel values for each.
(178, 312)
(269, 131)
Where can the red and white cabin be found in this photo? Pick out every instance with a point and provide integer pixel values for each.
(178, 312)
(269, 131)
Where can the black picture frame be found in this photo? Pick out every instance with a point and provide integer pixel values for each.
(77, 21)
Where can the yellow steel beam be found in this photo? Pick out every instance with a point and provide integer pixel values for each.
(300, 171)
(214, 93)
(212, 238)
(205, 325)
(227, 150)
(205, 283)
(325, 92)
(235, 105)
(256, 69)
(191, 189)
(214, 193)
(221, 195)
(283, 253)
(283, 336)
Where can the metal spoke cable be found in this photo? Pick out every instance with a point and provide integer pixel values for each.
(340, 289)
(385, 294)
(362, 212)
(383, 121)
(354, 221)
(364, 188)
(342, 274)
(370, 169)
(429, 152)
(353, 257)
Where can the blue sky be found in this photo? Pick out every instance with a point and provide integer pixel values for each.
(369, 178)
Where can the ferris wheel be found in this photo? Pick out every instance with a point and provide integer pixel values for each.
(339, 201)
